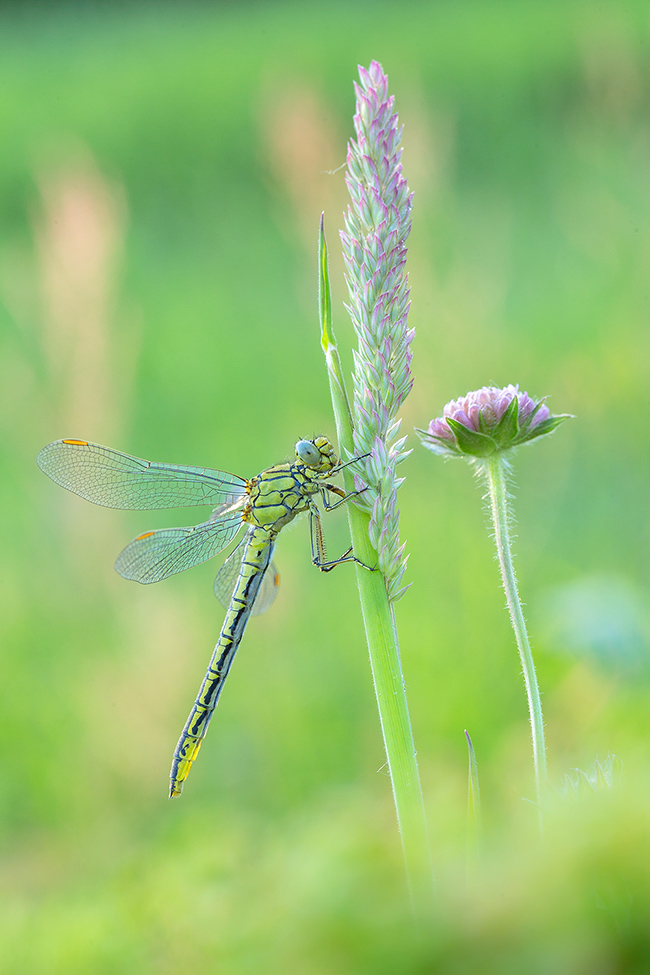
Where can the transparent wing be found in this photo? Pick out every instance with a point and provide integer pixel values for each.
(116, 480)
(159, 554)
(224, 584)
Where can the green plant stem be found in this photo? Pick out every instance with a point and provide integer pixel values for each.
(381, 636)
(495, 468)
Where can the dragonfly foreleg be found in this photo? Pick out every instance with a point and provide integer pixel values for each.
(349, 463)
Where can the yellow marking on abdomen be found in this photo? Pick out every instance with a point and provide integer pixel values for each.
(183, 770)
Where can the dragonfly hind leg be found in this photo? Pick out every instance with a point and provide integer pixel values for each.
(346, 557)
(318, 556)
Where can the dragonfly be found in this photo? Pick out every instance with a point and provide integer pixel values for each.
(247, 582)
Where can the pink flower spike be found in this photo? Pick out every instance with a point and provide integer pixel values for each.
(377, 225)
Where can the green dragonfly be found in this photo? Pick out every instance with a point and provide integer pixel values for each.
(247, 582)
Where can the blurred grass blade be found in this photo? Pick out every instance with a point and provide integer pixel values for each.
(324, 291)
(473, 815)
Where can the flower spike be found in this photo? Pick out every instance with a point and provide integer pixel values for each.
(377, 224)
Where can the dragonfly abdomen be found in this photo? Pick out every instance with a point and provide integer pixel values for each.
(255, 561)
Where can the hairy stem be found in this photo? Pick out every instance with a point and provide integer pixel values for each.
(494, 468)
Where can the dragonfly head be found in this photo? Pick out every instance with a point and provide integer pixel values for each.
(318, 454)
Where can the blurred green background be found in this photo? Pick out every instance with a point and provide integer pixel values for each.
(162, 172)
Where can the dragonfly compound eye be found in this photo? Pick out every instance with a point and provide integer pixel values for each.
(308, 453)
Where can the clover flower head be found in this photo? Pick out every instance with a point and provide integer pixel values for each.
(489, 420)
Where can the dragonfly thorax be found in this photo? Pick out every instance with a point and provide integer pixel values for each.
(317, 454)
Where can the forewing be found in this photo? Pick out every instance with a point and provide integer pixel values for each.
(224, 584)
(116, 480)
(159, 554)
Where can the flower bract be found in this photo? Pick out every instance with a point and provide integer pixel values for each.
(488, 420)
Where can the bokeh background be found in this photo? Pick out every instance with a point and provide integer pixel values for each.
(162, 171)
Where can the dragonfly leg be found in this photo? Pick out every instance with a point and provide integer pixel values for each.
(343, 497)
(349, 463)
(318, 556)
